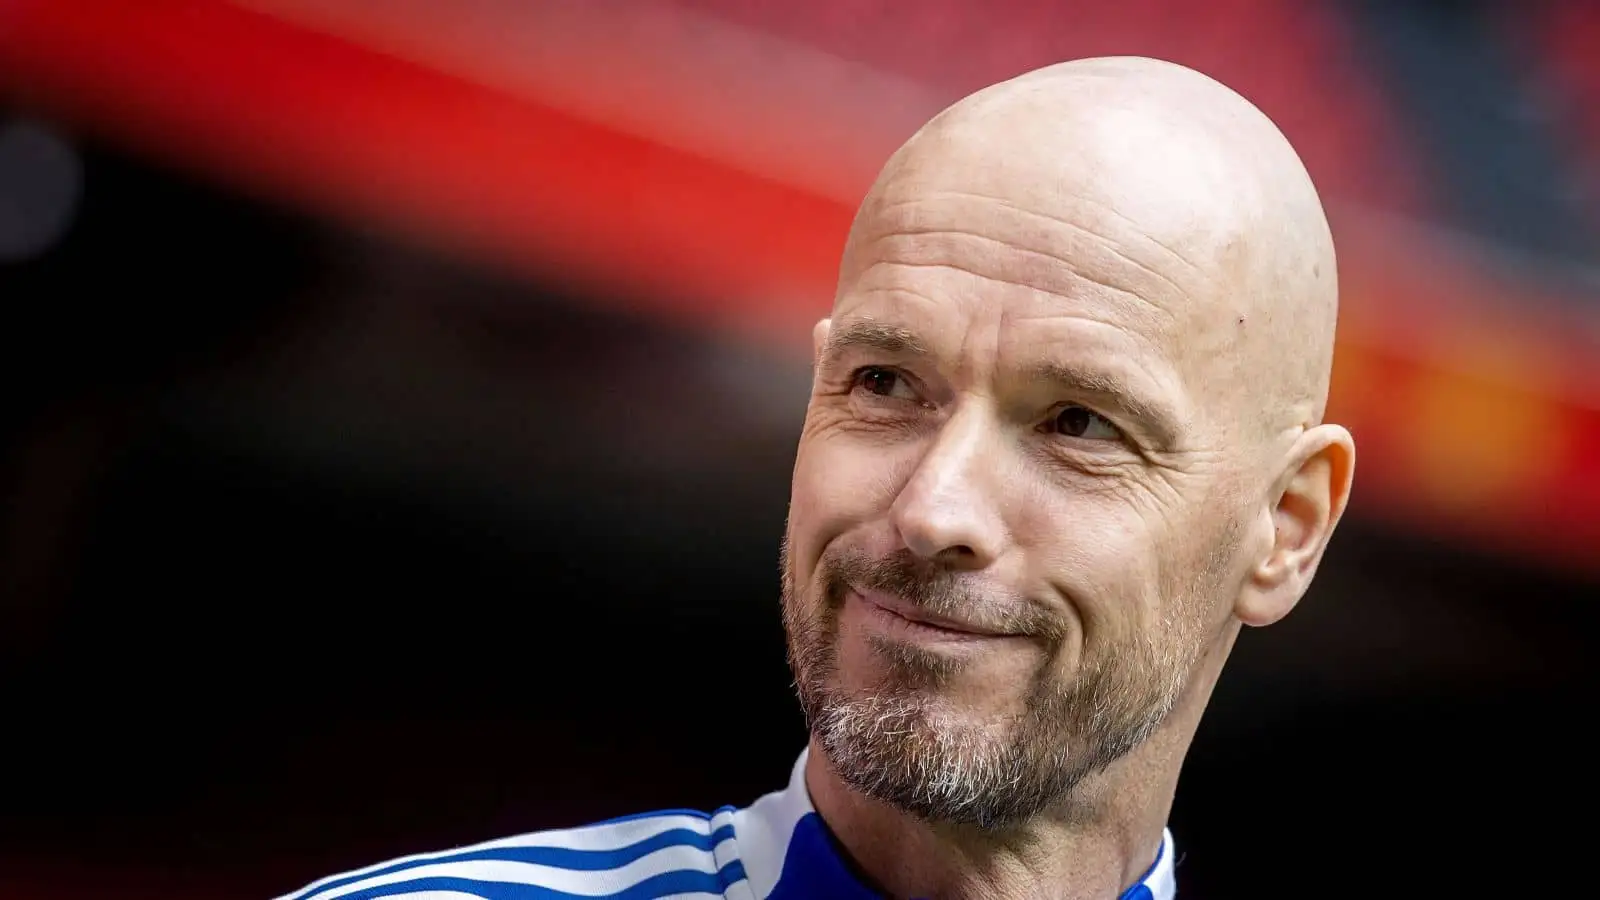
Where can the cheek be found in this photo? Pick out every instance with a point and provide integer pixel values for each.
(838, 485)
(1105, 554)
(1203, 571)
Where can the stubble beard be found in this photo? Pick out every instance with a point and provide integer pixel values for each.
(903, 743)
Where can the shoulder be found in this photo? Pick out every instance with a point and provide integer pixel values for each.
(650, 854)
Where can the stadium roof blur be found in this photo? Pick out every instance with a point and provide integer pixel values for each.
(700, 159)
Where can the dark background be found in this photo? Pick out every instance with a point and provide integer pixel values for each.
(323, 547)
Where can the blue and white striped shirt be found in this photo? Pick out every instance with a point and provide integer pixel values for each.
(774, 849)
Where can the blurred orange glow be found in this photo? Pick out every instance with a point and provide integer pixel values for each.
(656, 156)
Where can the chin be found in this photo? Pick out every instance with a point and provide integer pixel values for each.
(950, 752)
(940, 763)
(956, 705)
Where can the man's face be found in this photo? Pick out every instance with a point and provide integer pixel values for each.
(1015, 516)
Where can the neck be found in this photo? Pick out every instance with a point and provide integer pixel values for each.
(1097, 842)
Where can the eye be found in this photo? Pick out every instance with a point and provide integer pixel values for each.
(883, 383)
(1083, 423)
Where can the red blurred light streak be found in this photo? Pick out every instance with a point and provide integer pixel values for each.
(608, 156)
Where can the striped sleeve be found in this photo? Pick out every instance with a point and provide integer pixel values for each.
(674, 853)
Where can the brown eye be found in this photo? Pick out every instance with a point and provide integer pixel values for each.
(879, 381)
(1079, 422)
(884, 383)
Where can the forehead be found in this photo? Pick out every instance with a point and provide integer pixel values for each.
(1028, 271)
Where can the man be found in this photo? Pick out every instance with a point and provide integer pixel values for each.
(1064, 440)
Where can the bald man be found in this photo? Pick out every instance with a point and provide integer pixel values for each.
(1064, 439)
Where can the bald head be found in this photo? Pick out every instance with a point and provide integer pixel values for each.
(1146, 182)
(1069, 393)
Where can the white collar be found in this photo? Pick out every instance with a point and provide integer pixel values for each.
(764, 831)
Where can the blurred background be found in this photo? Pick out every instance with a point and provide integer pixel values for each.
(401, 397)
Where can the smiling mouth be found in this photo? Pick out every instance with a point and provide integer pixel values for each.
(928, 624)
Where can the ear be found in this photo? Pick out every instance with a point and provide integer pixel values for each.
(819, 339)
(1311, 496)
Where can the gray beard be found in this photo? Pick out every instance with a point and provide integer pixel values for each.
(904, 745)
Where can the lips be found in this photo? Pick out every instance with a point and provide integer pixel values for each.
(913, 613)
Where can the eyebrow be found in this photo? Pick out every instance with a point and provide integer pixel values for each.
(869, 335)
(1112, 392)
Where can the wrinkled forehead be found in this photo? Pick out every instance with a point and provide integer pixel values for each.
(1139, 274)
(974, 233)
(1070, 204)
(1158, 210)
(1144, 168)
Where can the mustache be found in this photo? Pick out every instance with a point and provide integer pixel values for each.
(935, 588)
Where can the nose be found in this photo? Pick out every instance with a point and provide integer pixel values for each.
(949, 510)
